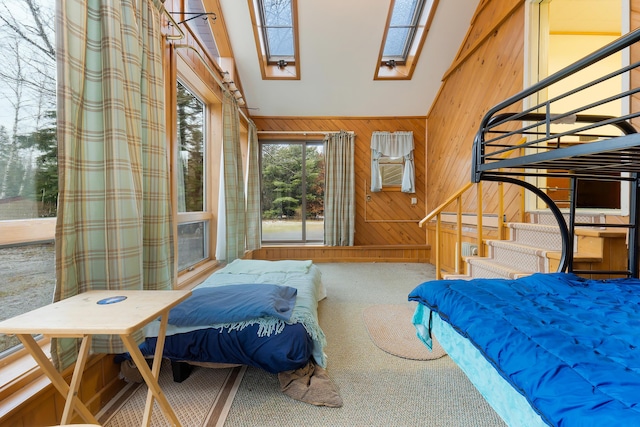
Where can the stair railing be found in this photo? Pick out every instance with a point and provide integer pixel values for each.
(457, 197)
(437, 214)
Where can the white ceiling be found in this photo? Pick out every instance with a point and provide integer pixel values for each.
(339, 46)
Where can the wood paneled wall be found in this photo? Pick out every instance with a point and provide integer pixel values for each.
(382, 218)
(368, 253)
(100, 383)
(488, 69)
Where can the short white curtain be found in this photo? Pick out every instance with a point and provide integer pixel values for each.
(397, 144)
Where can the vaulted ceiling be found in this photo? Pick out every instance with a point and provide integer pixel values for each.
(339, 46)
(339, 43)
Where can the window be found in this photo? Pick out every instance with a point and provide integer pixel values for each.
(401, 30)
(407, 26)
(391, 171)
(292, 191)
(28, 160)
(193, 224)
(276, 34)
(277, 30)
(392, 161)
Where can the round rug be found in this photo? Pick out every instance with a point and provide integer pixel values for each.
(390, 328)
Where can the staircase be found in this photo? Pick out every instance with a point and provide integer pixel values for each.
(536, 247)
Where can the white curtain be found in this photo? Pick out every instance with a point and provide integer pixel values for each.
(397, 144)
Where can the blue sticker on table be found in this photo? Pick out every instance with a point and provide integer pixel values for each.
(112, 300)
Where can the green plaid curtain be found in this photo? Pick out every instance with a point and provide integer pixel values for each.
(114, 227)
(253, 191)
(339, 192)
(232, 226)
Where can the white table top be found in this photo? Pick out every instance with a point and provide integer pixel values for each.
(82, 314)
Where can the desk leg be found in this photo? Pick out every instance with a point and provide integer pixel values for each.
(75, 380)
(57, 380)
(151, 377)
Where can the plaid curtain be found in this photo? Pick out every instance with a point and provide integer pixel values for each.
(113, 228)
(232, 226)
(339, 192)
(253, 191)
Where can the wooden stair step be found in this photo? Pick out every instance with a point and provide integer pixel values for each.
(528, 258)
(493, 269)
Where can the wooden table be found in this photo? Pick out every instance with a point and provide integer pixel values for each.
(99, 312)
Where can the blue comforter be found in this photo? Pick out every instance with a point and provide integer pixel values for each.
(571, 346)
(234, 303)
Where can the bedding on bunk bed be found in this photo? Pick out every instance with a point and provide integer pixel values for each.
(251, 312)
(569, 345)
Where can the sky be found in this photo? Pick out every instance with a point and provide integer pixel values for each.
(17, 9)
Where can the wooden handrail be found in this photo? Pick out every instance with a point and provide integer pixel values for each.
(437, 213)
(457, 196)
(462, 190)
(446, 203)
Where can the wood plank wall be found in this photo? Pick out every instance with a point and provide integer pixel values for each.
(368, 253)
(487, 70)
(382, 218)
(100, 383)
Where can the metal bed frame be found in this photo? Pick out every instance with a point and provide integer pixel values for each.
(521, 138)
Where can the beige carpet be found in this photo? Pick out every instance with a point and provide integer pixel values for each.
(390, 328)
(377, 388)
(202, 400)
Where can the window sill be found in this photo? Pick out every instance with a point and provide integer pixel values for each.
(20, 380)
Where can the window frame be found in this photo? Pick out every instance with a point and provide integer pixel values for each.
(391, 161)
(403, 69)
(304, 143)
(271, 69)
(187, 77)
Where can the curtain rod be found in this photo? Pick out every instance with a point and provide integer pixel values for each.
(301, 132)
(211, 72)
(175, 25)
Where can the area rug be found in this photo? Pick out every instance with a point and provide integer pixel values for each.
(201, 400)
(390, 328)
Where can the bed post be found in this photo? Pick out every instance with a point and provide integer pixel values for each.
(633, 227)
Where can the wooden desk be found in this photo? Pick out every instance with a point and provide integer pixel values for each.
(82, 316)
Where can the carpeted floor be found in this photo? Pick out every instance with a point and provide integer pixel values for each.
(391, 329)
(378, 389)
(202, 400)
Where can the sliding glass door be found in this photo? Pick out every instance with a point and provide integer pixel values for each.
(292, 202)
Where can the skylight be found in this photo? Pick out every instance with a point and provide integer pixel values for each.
(407, 26)
(276, 34)
(277, 29)
(402, 29)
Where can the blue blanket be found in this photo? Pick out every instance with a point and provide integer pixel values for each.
(569, 345)
(234, 303)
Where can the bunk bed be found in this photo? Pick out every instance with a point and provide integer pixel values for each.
(556, 348)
